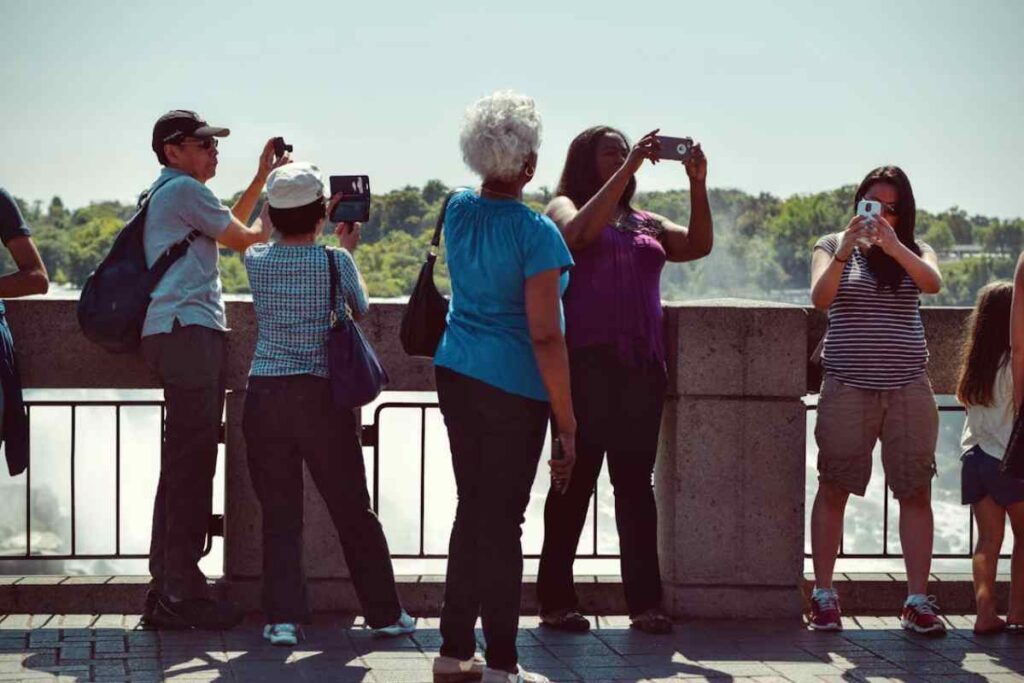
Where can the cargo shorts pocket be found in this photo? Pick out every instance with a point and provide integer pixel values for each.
(846, 432)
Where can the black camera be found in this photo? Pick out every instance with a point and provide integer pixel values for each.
(280, 147)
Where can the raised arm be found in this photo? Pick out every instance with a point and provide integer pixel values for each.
(580, 226)
(923, 269)
(30, 277)
(827, 269)
(693, 242)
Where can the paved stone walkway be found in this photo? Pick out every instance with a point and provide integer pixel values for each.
(109, 648)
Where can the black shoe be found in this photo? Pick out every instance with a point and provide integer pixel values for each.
(199, 613)
(568, 620)
(152, 598)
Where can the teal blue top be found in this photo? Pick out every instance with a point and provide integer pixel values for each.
(493, 246)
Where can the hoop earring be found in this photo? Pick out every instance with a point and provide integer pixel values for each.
(529, 171)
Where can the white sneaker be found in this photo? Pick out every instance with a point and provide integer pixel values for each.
(522, 676)
(452, 670)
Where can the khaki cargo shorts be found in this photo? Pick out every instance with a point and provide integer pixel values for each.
(851, 420)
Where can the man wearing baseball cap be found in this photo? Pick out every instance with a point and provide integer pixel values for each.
(184, 341)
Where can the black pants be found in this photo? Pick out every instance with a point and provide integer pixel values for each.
(190, 362)
(496, 439)
(287, 421)
(618, 412)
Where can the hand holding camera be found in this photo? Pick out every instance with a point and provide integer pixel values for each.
(646, 147)
(270, 159)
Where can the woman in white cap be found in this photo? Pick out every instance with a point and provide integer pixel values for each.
(290, 417)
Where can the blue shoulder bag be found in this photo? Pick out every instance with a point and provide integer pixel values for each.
(357, 377)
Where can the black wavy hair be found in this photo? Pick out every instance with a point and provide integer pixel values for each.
(579, 181)
(886, 269)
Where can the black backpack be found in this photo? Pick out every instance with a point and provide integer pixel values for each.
(115, 298)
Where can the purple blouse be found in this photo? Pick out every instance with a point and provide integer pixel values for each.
(614, 295)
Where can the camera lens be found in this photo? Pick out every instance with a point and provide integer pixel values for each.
(682, 148)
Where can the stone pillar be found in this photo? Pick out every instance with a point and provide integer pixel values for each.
(730, 476)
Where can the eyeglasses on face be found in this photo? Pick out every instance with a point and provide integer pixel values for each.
(203, 143)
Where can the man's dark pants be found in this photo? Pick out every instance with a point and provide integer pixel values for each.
(289, 420)
(190, 362)
(618, 411)
(496, 439)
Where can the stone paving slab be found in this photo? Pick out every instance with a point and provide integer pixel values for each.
(337, 648)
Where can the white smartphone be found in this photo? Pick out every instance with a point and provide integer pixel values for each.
(870, 209)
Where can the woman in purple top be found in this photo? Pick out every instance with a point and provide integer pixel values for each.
(617, 361)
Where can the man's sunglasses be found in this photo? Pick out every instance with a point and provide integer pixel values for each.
(203, 143)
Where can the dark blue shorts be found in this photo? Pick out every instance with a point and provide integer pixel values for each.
(980, 477)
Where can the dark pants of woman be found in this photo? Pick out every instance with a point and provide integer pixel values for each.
(289, 420)
(618, 412)
(496, 438)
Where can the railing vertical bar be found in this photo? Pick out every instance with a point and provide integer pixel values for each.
(595, 517)
(423, 478)
(28, 493)
(117, 480)
(74, 508)
(970, 529)
(885, 517)
(376, 461)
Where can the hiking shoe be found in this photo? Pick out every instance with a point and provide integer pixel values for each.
(825, 614)
(200, 613)
(284, 634)
(568, 620)
(452, 670)
(405, 625)
(919, 615)
(653, 621)
(521, 676)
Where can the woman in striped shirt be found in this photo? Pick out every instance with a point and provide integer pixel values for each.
(869, 278)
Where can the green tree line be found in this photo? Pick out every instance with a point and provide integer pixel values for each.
(762, 242)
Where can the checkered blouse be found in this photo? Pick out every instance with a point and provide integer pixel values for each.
(291, 295)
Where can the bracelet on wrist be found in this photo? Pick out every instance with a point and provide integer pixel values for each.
(835, 257)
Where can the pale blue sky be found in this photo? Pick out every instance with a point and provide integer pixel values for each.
(787, 96)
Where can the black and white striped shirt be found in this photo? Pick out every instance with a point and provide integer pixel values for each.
(875, 339)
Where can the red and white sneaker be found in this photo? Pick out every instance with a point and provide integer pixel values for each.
(919, 615)
(825, 614)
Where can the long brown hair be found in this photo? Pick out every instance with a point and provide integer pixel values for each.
(579, 181)
(888, 272)
(986, 344)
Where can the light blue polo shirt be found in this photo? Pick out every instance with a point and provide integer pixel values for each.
(190, 291)
(493, 247)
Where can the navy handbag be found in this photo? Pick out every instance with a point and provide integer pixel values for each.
(357, 377)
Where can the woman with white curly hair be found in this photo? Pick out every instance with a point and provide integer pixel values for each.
(502, 370)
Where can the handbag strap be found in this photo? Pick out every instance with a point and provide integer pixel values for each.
(435, 241)
(332, 266)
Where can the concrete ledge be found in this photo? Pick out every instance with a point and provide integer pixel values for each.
(861, 594)
(421, 595)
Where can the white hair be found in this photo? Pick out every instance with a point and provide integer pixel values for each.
(499, 132)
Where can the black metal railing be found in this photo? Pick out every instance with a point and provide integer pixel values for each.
(371, 437)
(216, 521)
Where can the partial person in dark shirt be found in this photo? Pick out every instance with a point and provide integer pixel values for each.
(29, 278)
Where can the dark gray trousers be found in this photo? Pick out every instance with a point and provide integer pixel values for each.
(190, 362)
(290, 420)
